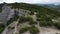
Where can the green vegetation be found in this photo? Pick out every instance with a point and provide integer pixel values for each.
(34, 8)
(1, 28)
(10, 27)
(1, 5)
(57, 25)
(24, 29)
(32, 22)
(25, 19)
(44, 15)
(34, 30)
(45, 21)
(0, 9)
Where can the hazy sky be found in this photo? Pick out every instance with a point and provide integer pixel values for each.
(33, 1)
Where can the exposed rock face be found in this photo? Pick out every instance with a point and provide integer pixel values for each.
(22, 12)
(6, 14)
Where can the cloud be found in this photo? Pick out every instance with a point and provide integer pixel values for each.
(42, 1)
(32, 1)
(8, 1)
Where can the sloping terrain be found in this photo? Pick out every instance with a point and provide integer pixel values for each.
(40, 19)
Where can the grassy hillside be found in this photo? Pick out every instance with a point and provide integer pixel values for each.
(44, 15)
(34, 8)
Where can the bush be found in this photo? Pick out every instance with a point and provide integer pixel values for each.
(1, 28)
(10, 27)
(25, 19)
(34, 30)
(24, 29)
(42, 23)
(46, 23)
(57, 25)
(38, 19)
(50, 23)
(22, 19)
(38, 15)
(32, 13)
(32, 22)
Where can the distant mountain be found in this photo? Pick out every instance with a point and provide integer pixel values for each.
(52, 6)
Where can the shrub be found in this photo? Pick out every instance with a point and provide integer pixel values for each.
(32, 22)
(43, 23)
(38, 19)
(34, 30)
(24, 29)
(46, 23)
(22, 19)
(57, 25)
(31, 13)
(38, 15)
(25, 19)
(1, 28)
(10, 27)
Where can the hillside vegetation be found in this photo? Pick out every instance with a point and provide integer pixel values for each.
(44, 15)
(34, 8)
(1, 5)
